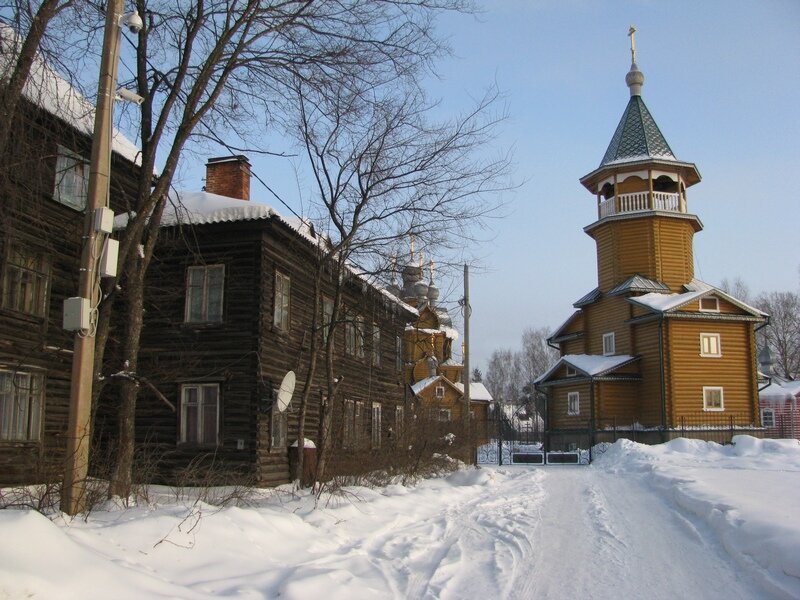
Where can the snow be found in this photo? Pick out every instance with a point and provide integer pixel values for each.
(694, 290)
(589, 364)
(686, 519)
(423, 383)
(477, 391)
(51, 92)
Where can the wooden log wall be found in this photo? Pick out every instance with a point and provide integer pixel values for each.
(32, 219)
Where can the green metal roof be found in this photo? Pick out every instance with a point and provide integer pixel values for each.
(637, 137)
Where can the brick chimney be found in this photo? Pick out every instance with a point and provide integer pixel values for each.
(228, 176)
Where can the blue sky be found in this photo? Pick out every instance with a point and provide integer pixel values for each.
(723, 83)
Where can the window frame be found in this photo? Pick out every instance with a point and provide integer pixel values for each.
(376, 424)
(573, 410)
(445, 412)
(360, 423)
(19, 259)
(205, 291)
(67, 172)
(327, 317)
(771, 412)
(376, 345)
(709, 310)
(609, 344)
(718, 343)
(571, 371)
(713, 388)
(31, 396)
(282, 302)
(201, 402)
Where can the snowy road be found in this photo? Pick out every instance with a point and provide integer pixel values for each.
(685, 520)
(564, 532)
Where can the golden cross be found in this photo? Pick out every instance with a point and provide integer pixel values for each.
(430, 269)
(632, 35)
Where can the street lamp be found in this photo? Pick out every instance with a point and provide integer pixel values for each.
(80, 313)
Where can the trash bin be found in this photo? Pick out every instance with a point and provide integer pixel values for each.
(309, 461)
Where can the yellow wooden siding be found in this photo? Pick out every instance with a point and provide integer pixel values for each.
(430, 404)
(557, 408)
(428, 319)
(649, 400)
(607, 315)
(656, 247)
(689, 371)
(576, 346)
(617, 403)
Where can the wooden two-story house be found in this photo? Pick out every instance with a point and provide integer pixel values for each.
(651, 347)
(228, 313)
(43, 187)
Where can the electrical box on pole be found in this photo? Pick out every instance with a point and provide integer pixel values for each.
(77, 314)
(108, 259)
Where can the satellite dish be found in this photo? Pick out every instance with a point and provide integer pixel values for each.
(286, 390)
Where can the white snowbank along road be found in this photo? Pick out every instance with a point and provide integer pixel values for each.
(687, 519)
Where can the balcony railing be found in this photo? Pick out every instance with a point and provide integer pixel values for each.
(640, 201)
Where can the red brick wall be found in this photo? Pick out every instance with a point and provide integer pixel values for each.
(229, 176)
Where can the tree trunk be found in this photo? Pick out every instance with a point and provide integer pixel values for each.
(129, 388)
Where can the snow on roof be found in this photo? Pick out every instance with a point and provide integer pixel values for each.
(423, 383)
(201, 208)
(477, 391)
(52, 93)
(780, 389)
(591, 365)
(449, 332)
(694, 290)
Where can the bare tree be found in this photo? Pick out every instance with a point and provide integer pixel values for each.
(504, 378)
(212, 69)
(384, 172)
(782, 334)
(737, 288)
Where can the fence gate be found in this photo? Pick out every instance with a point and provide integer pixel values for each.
(517, 437)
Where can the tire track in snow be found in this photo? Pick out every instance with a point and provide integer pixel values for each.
(478, 548)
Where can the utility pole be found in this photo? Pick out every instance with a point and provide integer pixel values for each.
(73, 492)
(467, 375)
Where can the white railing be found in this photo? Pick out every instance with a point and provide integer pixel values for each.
(639, 201)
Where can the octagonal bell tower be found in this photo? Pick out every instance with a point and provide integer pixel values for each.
(643, 224)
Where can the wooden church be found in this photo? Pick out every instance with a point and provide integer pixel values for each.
(651, 347)
(434, 376)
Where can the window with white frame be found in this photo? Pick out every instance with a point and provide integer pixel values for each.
(280, 315)
(710, 344)
(20, 406)
(574, 403)
(609, 344)
(440, 391)
(279, 426)
(444, 414)
(72, 179)
(713, 399)
(709, 304)
(25, 281)
(327, 317)
(376, 424)
(767, 417)
(360, 336)
(200, 413)
(571, 372)
(204, 291)
(376, 345)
